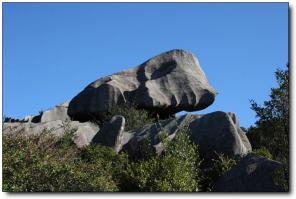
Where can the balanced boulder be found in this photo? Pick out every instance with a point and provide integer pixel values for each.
(166, 84)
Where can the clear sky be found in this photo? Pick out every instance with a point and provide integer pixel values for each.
(51, 51)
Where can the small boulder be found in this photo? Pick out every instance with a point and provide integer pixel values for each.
(57, 113)
(112, 134)
(84, 132)
(219, 132)
(252, 174)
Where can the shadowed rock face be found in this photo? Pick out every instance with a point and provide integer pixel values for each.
(251, 174)
(166, 84)
(112, 133)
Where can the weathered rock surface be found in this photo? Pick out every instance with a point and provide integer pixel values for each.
(251, 174)
(213, 132)
(112, 134)
(219, 132)
(84, 132)
(57, 113)
(168, 83)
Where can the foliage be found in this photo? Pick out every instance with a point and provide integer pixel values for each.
(215, 169)
(134, 117)
(44, 163)
(281, 178)
(117, 163)
(263, 152)
(176, 169)
(48, 163)
(272, 128)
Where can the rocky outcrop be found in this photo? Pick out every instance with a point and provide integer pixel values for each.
(252, 174)
(213, 132)
(166, 84)
(83, 132)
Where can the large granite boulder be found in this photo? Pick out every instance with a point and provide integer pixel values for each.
(168, 83)
(253, 174)
(83, 132)
(213, 132)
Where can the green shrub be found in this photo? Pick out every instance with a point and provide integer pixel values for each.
(176, 169)
(43, 163)
(213, 170)
(263, 152)
(134, 117)
(281, 178)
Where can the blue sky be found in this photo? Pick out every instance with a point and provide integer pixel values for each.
(51, 51)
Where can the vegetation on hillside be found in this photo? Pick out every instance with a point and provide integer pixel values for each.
(43, 162)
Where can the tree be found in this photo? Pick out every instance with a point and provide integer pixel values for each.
(272, 128)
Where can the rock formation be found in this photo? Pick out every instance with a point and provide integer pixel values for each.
(166, 84)
(213, 132)
(83, 132)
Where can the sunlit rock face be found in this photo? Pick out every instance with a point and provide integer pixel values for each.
(166, 84)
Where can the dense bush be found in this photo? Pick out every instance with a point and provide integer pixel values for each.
(176, 169)
(134, 117)
(263, 152)
(280, 178)
(47, 163)
(213, 170)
